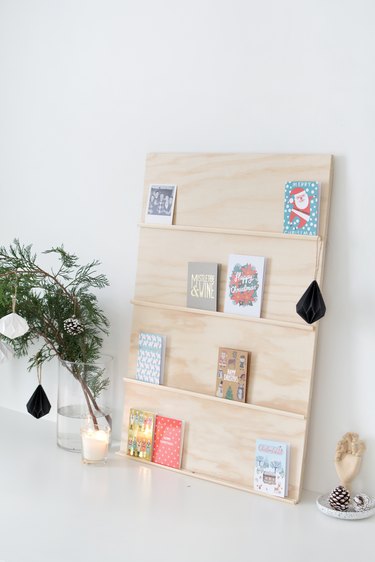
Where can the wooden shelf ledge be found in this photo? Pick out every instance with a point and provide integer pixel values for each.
(227, 483)
(222, 401)
(225, 231)
(183, 309)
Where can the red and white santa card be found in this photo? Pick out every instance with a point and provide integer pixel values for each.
(168, 439)
(301, 207)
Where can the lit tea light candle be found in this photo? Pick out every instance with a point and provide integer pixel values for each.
(95, 445)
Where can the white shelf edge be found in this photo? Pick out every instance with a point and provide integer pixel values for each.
(229, 403)
(237, 232)
(200, 476)
(281, 323)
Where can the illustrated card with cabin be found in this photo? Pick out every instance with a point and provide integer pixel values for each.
(231, 375)
(271, 467)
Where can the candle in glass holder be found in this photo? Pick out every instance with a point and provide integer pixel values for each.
(95, 444)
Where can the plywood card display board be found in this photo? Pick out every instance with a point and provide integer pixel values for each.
(229, 204)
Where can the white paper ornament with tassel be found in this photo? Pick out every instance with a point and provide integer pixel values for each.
(13, 325)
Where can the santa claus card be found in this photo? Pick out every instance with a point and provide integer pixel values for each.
(244, 287)
(301, 207)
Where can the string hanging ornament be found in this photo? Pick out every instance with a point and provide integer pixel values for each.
(73, 326)
(39, 405)
(13, 325)
(311, 306)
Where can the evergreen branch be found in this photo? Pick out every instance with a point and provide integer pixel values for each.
(46, 299)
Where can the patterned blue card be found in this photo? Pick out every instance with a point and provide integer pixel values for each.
(301, 207)
(150, 363)
(271, 467)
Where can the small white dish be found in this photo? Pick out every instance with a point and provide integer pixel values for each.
(323, 505)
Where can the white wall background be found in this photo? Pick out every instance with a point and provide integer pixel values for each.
(89, 87)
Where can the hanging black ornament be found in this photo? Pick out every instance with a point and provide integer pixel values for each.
(311, 306)
(38, 405)
(73, 326)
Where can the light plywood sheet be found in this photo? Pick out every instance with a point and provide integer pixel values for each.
(237, 190)
(230, 204)
(219, 442)
(165, 253)
(281, 358)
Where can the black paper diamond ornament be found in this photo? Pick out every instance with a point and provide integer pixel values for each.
(311, 306)
(39, 405)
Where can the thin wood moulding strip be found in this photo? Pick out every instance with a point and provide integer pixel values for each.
(230, 403)
(207, 478)
(282, 323)
(238, 232)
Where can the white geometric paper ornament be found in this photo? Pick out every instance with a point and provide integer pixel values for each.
(13, 326)
(5, 352)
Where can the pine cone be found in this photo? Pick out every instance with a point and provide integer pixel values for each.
(73, 326)
(339, 498)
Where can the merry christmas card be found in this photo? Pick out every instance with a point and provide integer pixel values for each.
(168, 438)
(244, 286)
(301, 207)
(231, 374)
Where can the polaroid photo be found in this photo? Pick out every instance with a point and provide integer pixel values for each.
(160, 204)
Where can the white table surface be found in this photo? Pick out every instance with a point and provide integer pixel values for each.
(54, 508)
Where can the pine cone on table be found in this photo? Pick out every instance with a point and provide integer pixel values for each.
(339, 499)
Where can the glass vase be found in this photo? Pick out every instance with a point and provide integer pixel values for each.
(84, 393)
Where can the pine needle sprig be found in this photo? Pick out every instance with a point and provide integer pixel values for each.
(47, 298)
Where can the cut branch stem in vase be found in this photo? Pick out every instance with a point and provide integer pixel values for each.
(88, 395)
(61, 309)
